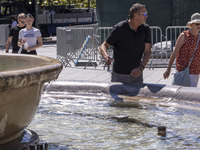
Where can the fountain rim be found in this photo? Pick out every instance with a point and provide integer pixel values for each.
(32, 76)
(135, 89)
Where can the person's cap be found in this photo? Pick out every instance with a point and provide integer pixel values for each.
(195, 18)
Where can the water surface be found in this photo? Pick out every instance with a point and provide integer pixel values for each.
(88, 122)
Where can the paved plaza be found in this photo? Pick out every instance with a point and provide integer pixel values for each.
(99, 74)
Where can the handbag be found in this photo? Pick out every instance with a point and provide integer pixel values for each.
(182, 78)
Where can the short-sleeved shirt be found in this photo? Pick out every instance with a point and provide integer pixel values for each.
(128, 46)
(30, 36)
(14, 32)
(185, 54)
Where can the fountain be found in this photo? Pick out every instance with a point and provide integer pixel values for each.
(92, 115)
(22, 79)
(89, 115)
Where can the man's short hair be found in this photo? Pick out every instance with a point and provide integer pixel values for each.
(21, 15)
(135, 9)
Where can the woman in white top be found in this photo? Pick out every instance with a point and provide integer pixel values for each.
(29, 38)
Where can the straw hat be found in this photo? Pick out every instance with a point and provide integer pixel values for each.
(195, 18)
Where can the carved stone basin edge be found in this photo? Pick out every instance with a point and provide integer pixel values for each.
(47, 71)
(22, 78)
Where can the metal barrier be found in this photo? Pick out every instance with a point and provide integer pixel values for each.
(102, 33)
(172, 33)
(62, 40)
(95, 26)
(156, 42)
(161, 51)
(69, 43)
(158, 53)
(4, 30)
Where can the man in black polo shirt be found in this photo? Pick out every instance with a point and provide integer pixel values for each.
(14, 33)
(131, 41)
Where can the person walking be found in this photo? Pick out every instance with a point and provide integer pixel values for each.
(14, 22)
(131, 41)
(184, 49)
(30, 37)
(14, 33)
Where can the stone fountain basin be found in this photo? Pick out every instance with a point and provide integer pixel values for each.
(21, 83)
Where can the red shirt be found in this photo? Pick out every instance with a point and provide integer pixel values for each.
(185, 54)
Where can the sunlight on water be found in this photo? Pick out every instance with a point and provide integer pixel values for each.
(90, 124)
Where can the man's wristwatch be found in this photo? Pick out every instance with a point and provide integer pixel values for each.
(141, 67)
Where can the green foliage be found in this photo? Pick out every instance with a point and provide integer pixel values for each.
(77, 3)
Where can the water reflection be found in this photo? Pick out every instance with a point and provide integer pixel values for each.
(90, 124)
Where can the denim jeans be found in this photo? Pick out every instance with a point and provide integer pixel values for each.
(126, 78)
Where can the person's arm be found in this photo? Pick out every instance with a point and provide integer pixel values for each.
(21, 42)
(39, 44)
(21, 39)
(146, 56)
(178, 45)
(103, 50)
(8, 43)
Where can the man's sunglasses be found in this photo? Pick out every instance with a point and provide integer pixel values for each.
(145, 14)
(197, 24)
(22, 21)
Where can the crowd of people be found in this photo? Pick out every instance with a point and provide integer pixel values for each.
(131, 41)
(23, 37)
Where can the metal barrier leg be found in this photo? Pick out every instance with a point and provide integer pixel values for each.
(63, 61)
(2, 47)
(94, 64)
